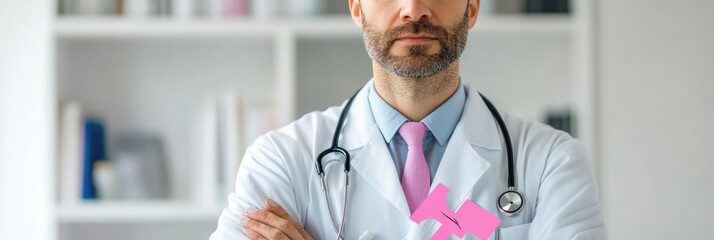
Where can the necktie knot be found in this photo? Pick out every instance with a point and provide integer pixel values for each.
(413, 133)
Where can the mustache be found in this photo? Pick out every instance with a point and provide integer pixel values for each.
(421, 26)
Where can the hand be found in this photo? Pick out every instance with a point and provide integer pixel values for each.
(272, 223)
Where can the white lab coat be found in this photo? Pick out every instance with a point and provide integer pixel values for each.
(553, 171)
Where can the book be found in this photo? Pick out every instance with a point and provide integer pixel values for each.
(231, 139)
(214, 8)
(164, 7)
(561, 119)
(70, 150)
(259, 118)
(236, 7)
(67, 7)
(183, 9)
(94, 7)
(137, 8)
(206, 164)
(547, 6)
(305, 7)
(94, 150)
(265, 8)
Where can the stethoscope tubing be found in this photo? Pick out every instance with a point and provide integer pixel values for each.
(506, 138)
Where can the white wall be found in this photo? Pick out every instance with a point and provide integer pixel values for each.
(656, 70)
(26, 132)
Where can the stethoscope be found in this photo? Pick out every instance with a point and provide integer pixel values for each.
(509, 202)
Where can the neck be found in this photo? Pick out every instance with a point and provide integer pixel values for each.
(416, 98)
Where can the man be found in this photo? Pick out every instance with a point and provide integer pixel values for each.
(410, 128)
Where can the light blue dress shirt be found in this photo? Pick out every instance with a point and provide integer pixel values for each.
(441, 123)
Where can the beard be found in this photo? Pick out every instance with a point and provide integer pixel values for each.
(418, 63)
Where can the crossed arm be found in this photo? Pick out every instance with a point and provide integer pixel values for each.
(273, 222)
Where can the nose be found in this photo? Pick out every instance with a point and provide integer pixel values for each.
(414, 10)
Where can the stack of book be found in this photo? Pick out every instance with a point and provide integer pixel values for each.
(192, 8)
(225, 128)
(82, 144)
(145, 8)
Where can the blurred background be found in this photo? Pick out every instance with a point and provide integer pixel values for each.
(127, 119)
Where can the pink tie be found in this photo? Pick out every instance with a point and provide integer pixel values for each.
(416, 178)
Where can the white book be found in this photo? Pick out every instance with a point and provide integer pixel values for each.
(137, 8)
(70, 150)
(231, 126)
(88, 7)
(206, 166)
(96, 7)
(302, 8)
(215, 8)
(259, 118)
(265, 8)
(183, 9)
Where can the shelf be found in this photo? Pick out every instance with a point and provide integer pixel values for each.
(136, 212)
(334, 26)
(202, 28)
(521, 23)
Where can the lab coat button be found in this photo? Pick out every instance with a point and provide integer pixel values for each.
(366, 235)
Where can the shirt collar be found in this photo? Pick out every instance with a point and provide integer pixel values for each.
(441, 122)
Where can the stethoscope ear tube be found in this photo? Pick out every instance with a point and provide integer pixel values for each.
(318, 163)
(506, 138)
(335, 148)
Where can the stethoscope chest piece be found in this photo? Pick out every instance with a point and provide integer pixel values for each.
(510, 203)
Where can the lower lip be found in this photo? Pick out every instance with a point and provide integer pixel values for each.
(415, 40)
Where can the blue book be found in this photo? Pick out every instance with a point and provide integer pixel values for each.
(548, 6)
(94, 150)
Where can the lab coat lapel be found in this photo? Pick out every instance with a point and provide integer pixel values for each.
(371, 159)
(461, 166)
(375, 165)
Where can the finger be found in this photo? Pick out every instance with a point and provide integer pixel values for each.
(274, 221)
(260, 229)
(253, 235)
(278, 210)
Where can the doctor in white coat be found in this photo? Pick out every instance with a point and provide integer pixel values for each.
(415, 46)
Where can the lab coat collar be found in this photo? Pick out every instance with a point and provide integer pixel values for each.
(359, 126)
(477, 124)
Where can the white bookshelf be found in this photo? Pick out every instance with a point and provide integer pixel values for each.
(522, 62)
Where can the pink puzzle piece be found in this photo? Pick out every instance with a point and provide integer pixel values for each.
(469, 218)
